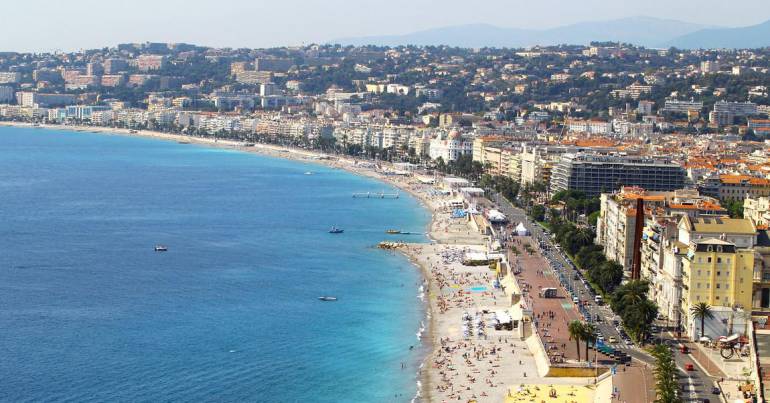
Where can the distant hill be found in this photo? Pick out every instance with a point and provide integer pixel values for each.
(754, 36)
(644, 31)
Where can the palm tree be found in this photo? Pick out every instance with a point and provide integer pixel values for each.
(588, 335)
(665, 371)
(575, 329)
(584, 236)
(702, 311)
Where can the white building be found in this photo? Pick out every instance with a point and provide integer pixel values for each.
(451, 148)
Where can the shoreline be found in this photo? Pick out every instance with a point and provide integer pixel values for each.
(349, 164)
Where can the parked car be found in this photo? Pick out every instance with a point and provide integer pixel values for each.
(715, 390)
(613, 339)
(689, 367)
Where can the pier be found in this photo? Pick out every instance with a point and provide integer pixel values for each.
(375, 195)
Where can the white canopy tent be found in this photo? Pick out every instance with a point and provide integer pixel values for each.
(521, 230)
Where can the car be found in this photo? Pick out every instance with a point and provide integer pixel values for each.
(613, 339)
(600, 337)
(715, 390)
(598, 318)
(615, 322)
(689, 367)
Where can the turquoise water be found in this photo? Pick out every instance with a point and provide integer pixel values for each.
(89, 312)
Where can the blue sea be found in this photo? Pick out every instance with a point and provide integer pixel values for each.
(90, 312)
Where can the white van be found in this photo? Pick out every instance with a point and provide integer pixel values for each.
(598, 299)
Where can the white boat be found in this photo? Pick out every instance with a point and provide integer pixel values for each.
(160, 248)
(328, 299)
(308, 173)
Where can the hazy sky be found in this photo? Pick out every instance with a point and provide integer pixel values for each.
(46, 25)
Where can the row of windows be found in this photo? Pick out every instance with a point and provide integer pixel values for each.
(716, 285)
(726, 301)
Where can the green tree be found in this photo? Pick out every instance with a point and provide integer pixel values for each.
(588, 335)
(702, 311)
(575, 329)
(665, 371)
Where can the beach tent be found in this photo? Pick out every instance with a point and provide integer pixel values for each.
(496, 216)
(521, 230)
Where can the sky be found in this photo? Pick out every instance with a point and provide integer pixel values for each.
(51, 25)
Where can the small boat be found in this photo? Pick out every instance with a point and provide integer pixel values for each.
(336, 230)
(328, 299)
(160, 248)
(308, 173)
(393, 231)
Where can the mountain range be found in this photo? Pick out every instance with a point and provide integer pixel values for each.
(643, 31)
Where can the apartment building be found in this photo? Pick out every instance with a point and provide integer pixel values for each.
(734, 187)
(150, 62)
(675, 105)
(760, 126)
(12, 77)
(36, 99)
(594, 174)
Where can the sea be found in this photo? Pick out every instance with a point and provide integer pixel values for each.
(90, 312)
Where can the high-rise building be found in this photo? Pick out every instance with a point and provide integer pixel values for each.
(594, 174)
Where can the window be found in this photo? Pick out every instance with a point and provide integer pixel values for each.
(697, 297)
(708, 285)
(719, 259)
(719, 285)
(699, 272)
(708, 260)
(719, 273)
(727, 286)
(697, 285)
(717, 297)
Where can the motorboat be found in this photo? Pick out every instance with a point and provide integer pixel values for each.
(161, 248)
(393, 231)
(336, 230)
(327, 299)
(308, 173)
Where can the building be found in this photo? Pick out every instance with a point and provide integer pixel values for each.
(115, 66)
(719, 266)
(253, 77)
(734, 187)
(757, 210)
(113, 80)
(268, 89)
(617, 221)
(677, 106)
(150, 62)
(38, 100)
(760, 126)
(736, 108)
(450, 148)
(594, 174)
(710, 66)
(6, 94)
(645, 107)
(589, 126)
(12, 77)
